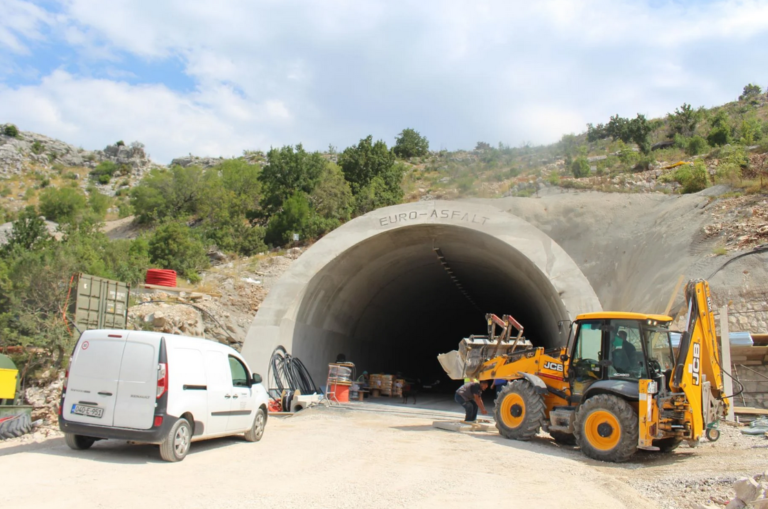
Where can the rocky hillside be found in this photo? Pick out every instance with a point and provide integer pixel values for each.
(31, 161)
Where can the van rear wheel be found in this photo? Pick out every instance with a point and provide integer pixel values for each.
(176, 444)
(78, 442)
(257, 430)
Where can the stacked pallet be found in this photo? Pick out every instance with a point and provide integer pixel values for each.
(375, 382)
(387, 383)
(397, 390)
(749, 355)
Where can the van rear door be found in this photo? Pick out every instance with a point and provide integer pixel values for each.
(137, 385)
(93, 375)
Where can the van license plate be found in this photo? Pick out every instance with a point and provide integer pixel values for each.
(88, 411)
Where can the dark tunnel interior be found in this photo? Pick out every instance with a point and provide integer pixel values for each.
(389, 304)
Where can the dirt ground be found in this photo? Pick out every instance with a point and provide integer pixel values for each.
(383, 456)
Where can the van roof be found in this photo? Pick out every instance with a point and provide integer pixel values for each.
(172, 339)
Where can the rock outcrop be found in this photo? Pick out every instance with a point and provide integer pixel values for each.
(29, 151)
(201, 162)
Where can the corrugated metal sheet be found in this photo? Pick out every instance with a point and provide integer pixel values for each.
(101, 303)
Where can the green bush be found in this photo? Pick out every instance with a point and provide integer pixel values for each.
(409, 143)
(174, 246)
(751, 92)
(684, 121)
(750, 131)
(627, 156)
(63, 205)
(28, 232)
(693, 178)
(11, 130)
(580, 167)
(332, 197)
(294, 218)
(373, 174)
(37, 147)
(124, 209)
(98, 202)
(5, 191)
(287, 172)
(720, 133)
(170, 194)
(104, 171)
(696, 145)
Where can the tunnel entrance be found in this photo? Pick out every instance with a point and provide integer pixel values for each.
(394, 288)
(393, 302)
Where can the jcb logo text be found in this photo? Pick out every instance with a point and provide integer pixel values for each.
(553, 366)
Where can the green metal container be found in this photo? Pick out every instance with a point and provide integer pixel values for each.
(101, 303)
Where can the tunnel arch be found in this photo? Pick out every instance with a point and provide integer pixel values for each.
(395, 287)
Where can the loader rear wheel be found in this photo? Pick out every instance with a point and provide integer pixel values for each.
(519, 411)
(607, 428)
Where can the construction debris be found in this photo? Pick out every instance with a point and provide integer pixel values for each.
(464, 427)
(757, 427)
(740, 223)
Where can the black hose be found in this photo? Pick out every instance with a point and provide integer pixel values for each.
(287, 373)
(755, 250)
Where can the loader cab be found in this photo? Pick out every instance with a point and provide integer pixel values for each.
(620, 347)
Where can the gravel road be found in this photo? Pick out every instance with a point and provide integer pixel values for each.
(380, 458)
(330, 458)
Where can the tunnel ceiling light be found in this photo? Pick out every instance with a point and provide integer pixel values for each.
(448, 270)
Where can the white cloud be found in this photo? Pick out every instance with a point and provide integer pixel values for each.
(20, 19)
(94, 113)
(276, 72)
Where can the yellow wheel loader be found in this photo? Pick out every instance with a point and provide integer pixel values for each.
(614, 388)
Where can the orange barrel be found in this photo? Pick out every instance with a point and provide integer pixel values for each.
(341, 392)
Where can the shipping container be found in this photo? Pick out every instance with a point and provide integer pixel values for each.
(101, 303)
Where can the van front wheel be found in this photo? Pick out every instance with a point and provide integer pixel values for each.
(176, 444)
(257, 430)
(78, 442)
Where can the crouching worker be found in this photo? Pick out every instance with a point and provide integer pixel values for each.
(468, 396)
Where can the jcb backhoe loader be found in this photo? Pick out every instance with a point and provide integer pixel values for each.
(615, 387)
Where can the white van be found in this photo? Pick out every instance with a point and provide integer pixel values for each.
(158, 388)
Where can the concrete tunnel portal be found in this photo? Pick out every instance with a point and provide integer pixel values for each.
(394, 288)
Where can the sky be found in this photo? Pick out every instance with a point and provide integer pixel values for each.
(216, 78)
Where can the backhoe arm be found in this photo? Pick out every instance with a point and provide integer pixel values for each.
(698, 370)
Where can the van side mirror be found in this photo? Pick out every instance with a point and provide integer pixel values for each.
(256, 378)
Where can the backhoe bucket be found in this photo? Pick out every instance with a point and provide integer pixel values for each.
(453, 364)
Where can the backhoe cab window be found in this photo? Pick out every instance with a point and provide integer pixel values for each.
(586, 354)
(659, 349)
(625, 350)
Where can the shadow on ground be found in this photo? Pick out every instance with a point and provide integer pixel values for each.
(116, 451)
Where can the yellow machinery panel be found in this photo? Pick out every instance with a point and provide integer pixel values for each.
(8, 381)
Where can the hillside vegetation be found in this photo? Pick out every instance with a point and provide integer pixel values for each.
(289, 196)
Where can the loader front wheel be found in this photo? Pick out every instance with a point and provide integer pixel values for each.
(607, 428)
(519, 411)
